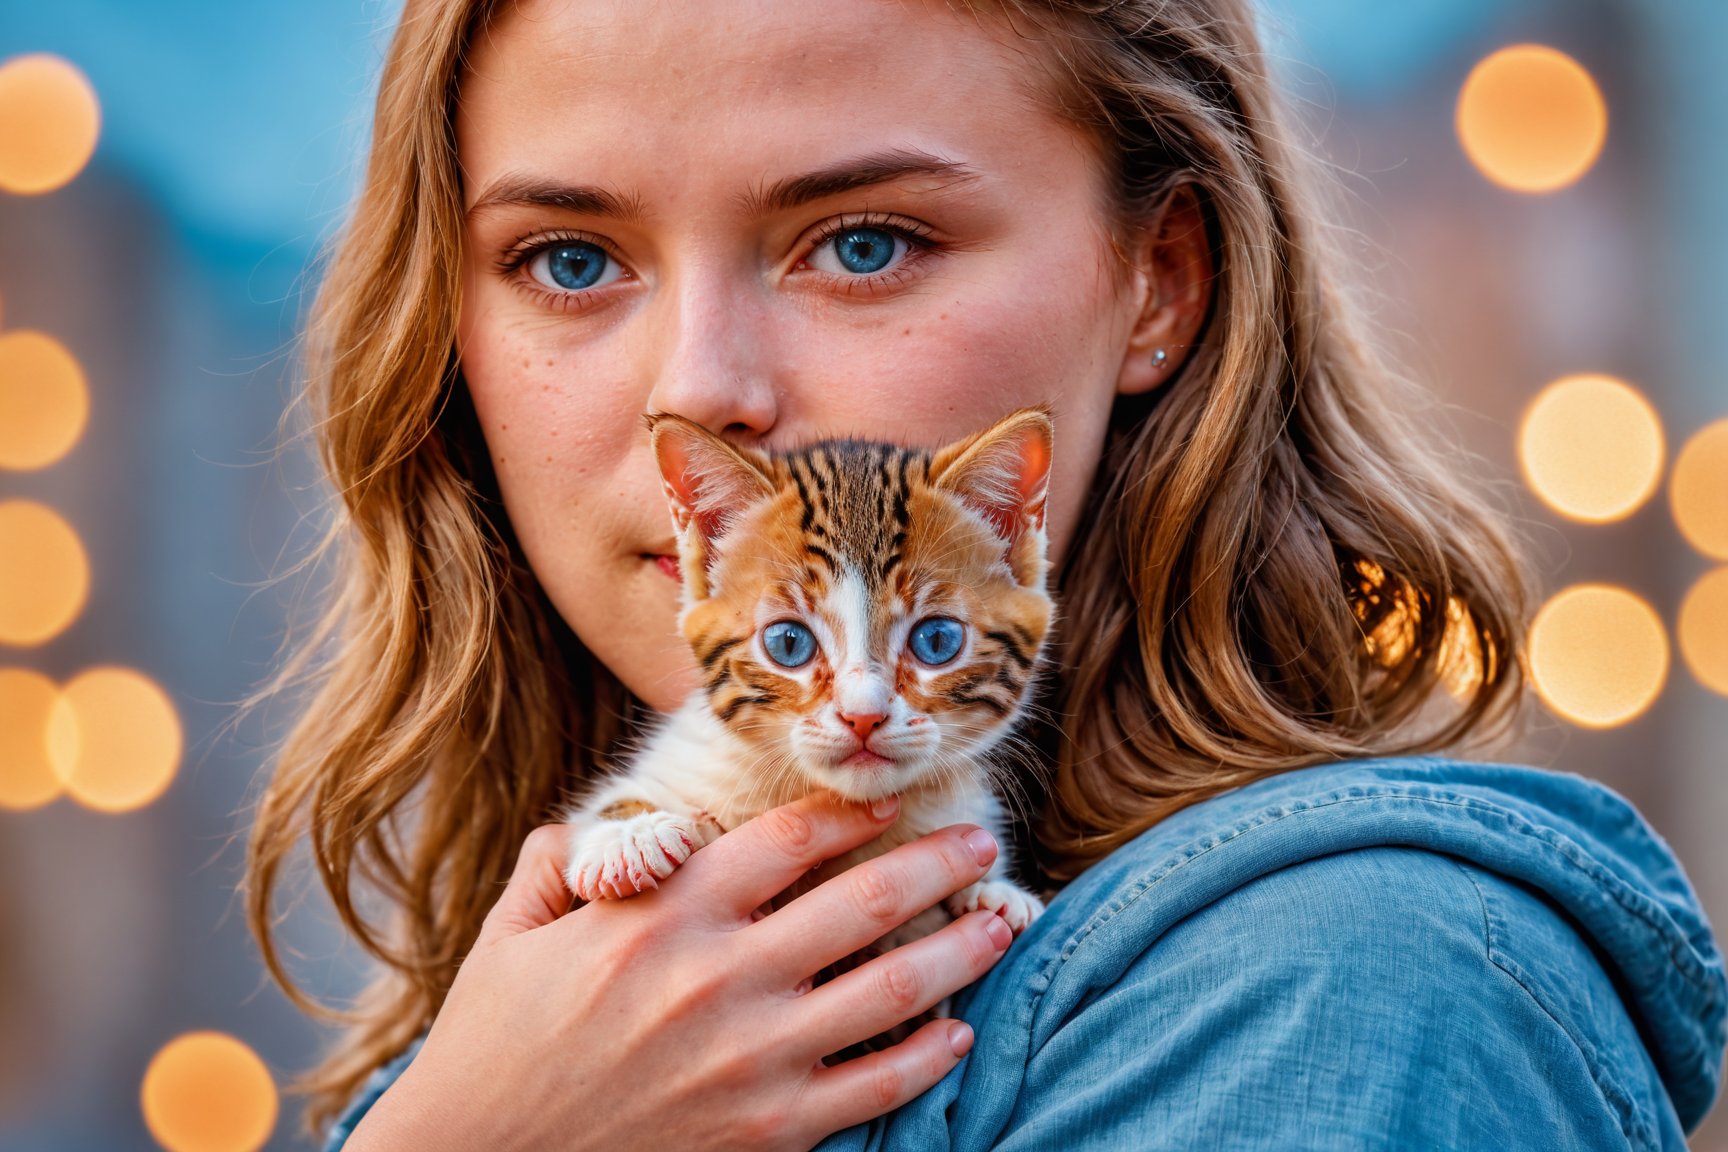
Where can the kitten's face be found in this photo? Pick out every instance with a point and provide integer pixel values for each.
(866, 616)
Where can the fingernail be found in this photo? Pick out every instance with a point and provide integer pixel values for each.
(983, 845)
(1000, 934)
(885, 807)
(960, 1038)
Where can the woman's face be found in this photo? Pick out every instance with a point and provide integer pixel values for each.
(785, 220)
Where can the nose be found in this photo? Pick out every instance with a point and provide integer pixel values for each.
(709, 349)
(863, 723)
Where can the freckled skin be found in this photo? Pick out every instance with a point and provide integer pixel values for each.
(733, 320)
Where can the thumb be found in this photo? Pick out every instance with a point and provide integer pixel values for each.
(536, 894)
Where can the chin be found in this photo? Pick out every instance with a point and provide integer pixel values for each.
(866, 784)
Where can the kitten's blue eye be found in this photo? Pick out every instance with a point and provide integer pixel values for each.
(572, 265)
(861, 250)
(938, 639)
(789, 643)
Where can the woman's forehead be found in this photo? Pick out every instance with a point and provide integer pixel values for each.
(671, 95)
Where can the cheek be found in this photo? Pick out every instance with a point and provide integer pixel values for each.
(541, 400)
(537, 411)
(969, 350)
(1000, 340)
(989, 355)
(1045, 320)
(580, 505)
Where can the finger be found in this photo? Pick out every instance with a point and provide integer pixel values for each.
(863, 1089)
(891, 989)
(862, 904)
(536, 894)
(759, 859)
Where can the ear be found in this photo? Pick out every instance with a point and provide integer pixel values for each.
(1003, 472)
(707, 484)
(1173, 279)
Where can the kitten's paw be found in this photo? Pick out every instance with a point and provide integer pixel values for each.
(613, 859)
(1010, 901)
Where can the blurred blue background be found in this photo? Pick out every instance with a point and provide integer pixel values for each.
(177, 265)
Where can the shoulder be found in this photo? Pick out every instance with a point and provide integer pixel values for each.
(1388, 910)
(1374, 954)
(1372, 998)
(1349, 936)
(1348, 1000)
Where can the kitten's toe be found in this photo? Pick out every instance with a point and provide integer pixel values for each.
(1013, 903)
(616, 859)
(586, 872)
(582, 876)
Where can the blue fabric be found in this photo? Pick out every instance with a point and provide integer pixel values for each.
(1401, 953)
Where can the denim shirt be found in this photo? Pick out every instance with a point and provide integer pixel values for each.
(1397, 953)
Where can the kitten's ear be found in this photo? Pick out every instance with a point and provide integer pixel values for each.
(1004, 472)
(707, 483)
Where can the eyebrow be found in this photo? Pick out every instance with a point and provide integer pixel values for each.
(514, 190)
(520, 191)
(858, 172)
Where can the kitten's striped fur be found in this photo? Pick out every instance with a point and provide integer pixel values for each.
(859, 542)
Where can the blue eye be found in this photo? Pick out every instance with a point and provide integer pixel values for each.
(789, 643)
(572, 265)
(862, 250)
(938, 639)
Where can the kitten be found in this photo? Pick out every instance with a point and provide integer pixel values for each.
(869, 619)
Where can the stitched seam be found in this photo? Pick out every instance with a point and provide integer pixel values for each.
(1634, 1125)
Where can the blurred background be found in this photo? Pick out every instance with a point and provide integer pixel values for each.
(1535, 189)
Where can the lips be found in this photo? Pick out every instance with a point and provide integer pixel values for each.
(668, 565)
(864, 759)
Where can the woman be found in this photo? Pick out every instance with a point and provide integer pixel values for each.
(793, 218)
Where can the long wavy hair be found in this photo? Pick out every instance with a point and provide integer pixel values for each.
(1278, 565)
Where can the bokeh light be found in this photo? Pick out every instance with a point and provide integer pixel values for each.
(1703, 630)
(1531, 118)
(1591, 448)
(208, 1092)
(1698, 491)
(43, 400)
(1598, 655)
(49, 121)
(27, 779)
(44, 575)
(114, 739)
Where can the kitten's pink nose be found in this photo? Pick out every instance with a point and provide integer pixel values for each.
(863, 723)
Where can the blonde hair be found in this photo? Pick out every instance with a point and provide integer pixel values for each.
(1273, 569)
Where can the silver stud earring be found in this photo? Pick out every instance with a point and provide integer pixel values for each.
(1158, 358)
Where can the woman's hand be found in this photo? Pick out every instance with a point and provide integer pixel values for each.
(675, 1019)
